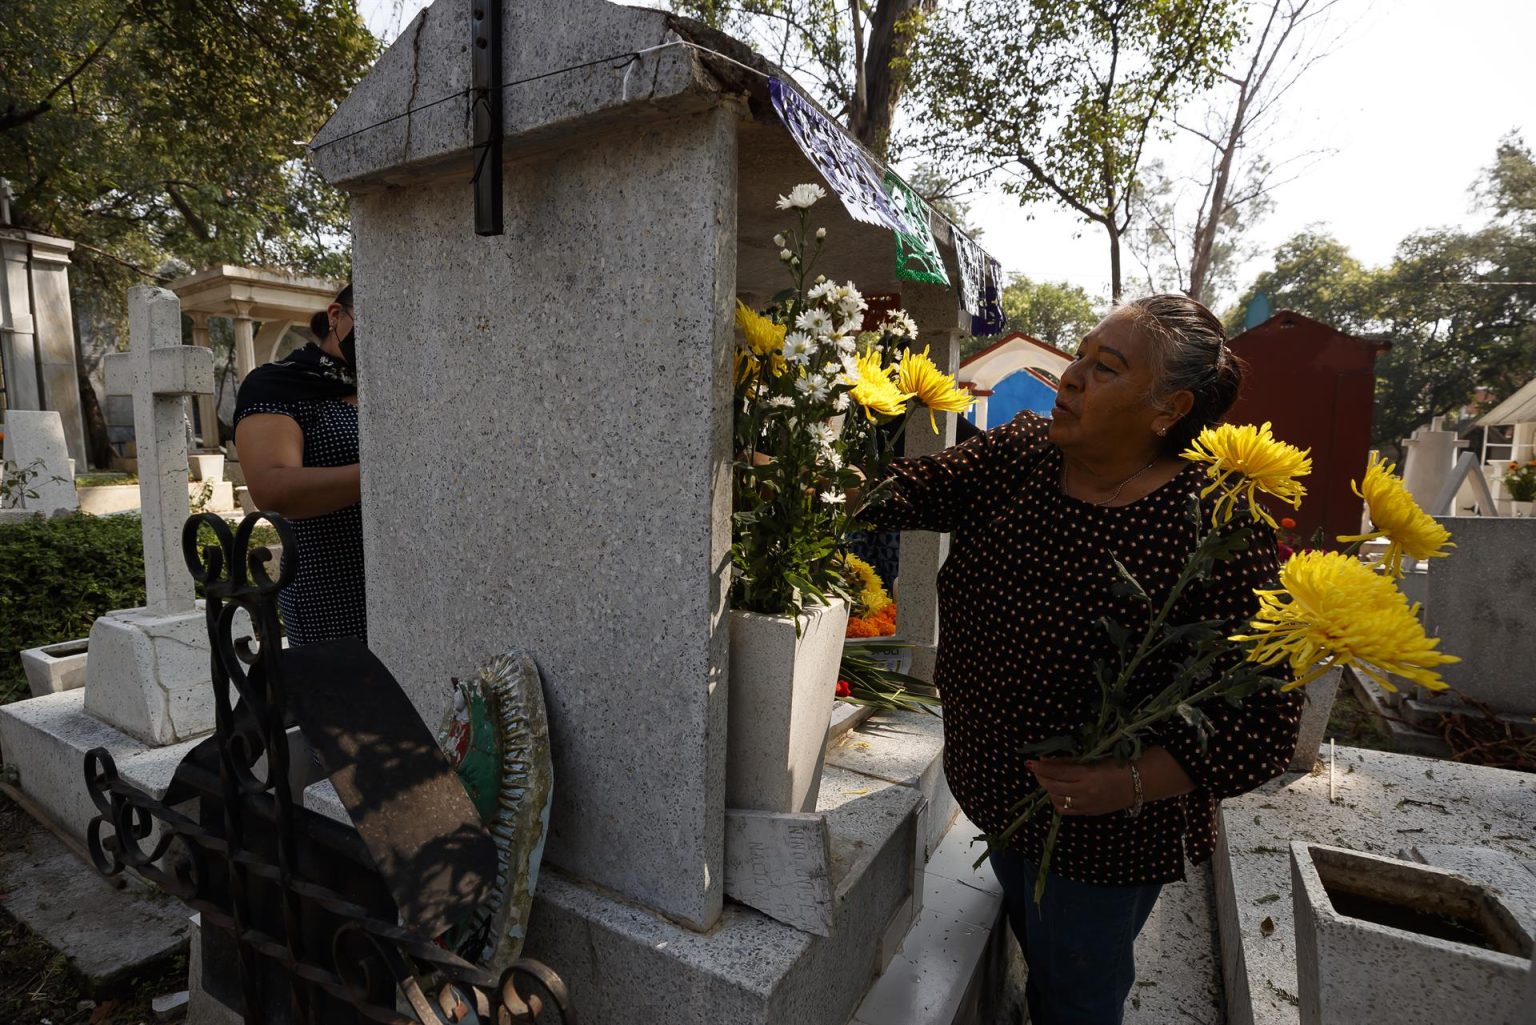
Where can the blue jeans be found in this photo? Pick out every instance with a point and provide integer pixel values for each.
(1079, 942)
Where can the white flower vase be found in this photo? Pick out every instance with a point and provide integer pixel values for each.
(782, 691)
(1521, 508)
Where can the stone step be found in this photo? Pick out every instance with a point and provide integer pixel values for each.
(109, 935)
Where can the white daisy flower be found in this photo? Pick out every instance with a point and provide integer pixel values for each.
(798, 347)
(823, 435)
(833, 497)
(781, 402)
(813, 387)
(835, 460)
(814, 321)
(802, 197)
(822, 290)
(899, 324)
(841, 403)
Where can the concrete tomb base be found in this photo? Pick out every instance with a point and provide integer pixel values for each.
(1386, 804)
(45, 740)
(148, 674)
(1360, 918)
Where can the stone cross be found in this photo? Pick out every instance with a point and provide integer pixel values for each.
(159, 371)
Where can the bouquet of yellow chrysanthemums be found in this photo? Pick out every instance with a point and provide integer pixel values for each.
(1327, 609)
(812, 387)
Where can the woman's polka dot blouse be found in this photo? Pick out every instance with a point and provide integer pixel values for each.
(325, 600)
(1022, 597)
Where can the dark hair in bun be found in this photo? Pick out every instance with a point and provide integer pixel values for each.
(320, 323)
(1189, 352)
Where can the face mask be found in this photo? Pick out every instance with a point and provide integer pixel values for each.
(349, 350)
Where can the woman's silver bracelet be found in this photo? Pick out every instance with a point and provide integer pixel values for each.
(1135, 808)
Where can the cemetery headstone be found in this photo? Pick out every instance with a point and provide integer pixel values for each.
(1482, 604)
(599, 542)
(35, 447)
(148, 668)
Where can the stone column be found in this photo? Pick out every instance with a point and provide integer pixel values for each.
(58, 376)
(940, 322)
(245, 341)
(18, 342)
(981, 412)
(207, 405)
(268, 339)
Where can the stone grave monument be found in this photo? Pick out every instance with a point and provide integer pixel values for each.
(638, 198)
(1482, 605)
(37, 331)
(146, 691)
(35, 446)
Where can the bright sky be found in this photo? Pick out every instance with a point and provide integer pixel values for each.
(1399, 119)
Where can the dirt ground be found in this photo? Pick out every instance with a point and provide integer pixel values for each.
(37, 986)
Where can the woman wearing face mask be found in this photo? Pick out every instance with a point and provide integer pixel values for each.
(296, 432)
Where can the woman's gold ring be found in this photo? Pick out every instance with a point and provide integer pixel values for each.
(1066, 803)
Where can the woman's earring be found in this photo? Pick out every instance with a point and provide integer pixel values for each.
(1162, 432)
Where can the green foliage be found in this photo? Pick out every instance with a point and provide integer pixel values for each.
(171, 132)
(56, 576)
(1062, 96)
(19, 482)
(1057, 313)
(1457, 306)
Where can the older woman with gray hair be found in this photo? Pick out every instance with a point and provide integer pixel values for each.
(1039, 510)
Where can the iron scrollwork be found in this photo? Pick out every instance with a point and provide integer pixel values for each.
(293, 903)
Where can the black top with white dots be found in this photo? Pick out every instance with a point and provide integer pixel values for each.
(1021, 598)
(325, 600)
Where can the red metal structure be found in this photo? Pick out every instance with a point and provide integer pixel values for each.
(1315, 384)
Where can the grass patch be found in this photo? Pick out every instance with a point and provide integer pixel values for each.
(97, 480)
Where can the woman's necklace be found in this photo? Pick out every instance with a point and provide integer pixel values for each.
(1110, 500)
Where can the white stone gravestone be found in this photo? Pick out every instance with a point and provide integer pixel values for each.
(639, 200)
(35, 444)
(148, 668)
(147, 697)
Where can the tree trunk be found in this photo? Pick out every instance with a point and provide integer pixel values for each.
(885, 70)
(98, 447)
(1114, 260)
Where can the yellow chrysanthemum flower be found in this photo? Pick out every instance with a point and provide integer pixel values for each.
(1244, 461)
(1398, 518)
(916, 373)
(763, 336)
(872, 595)
(1332, 607)
(874, 390)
